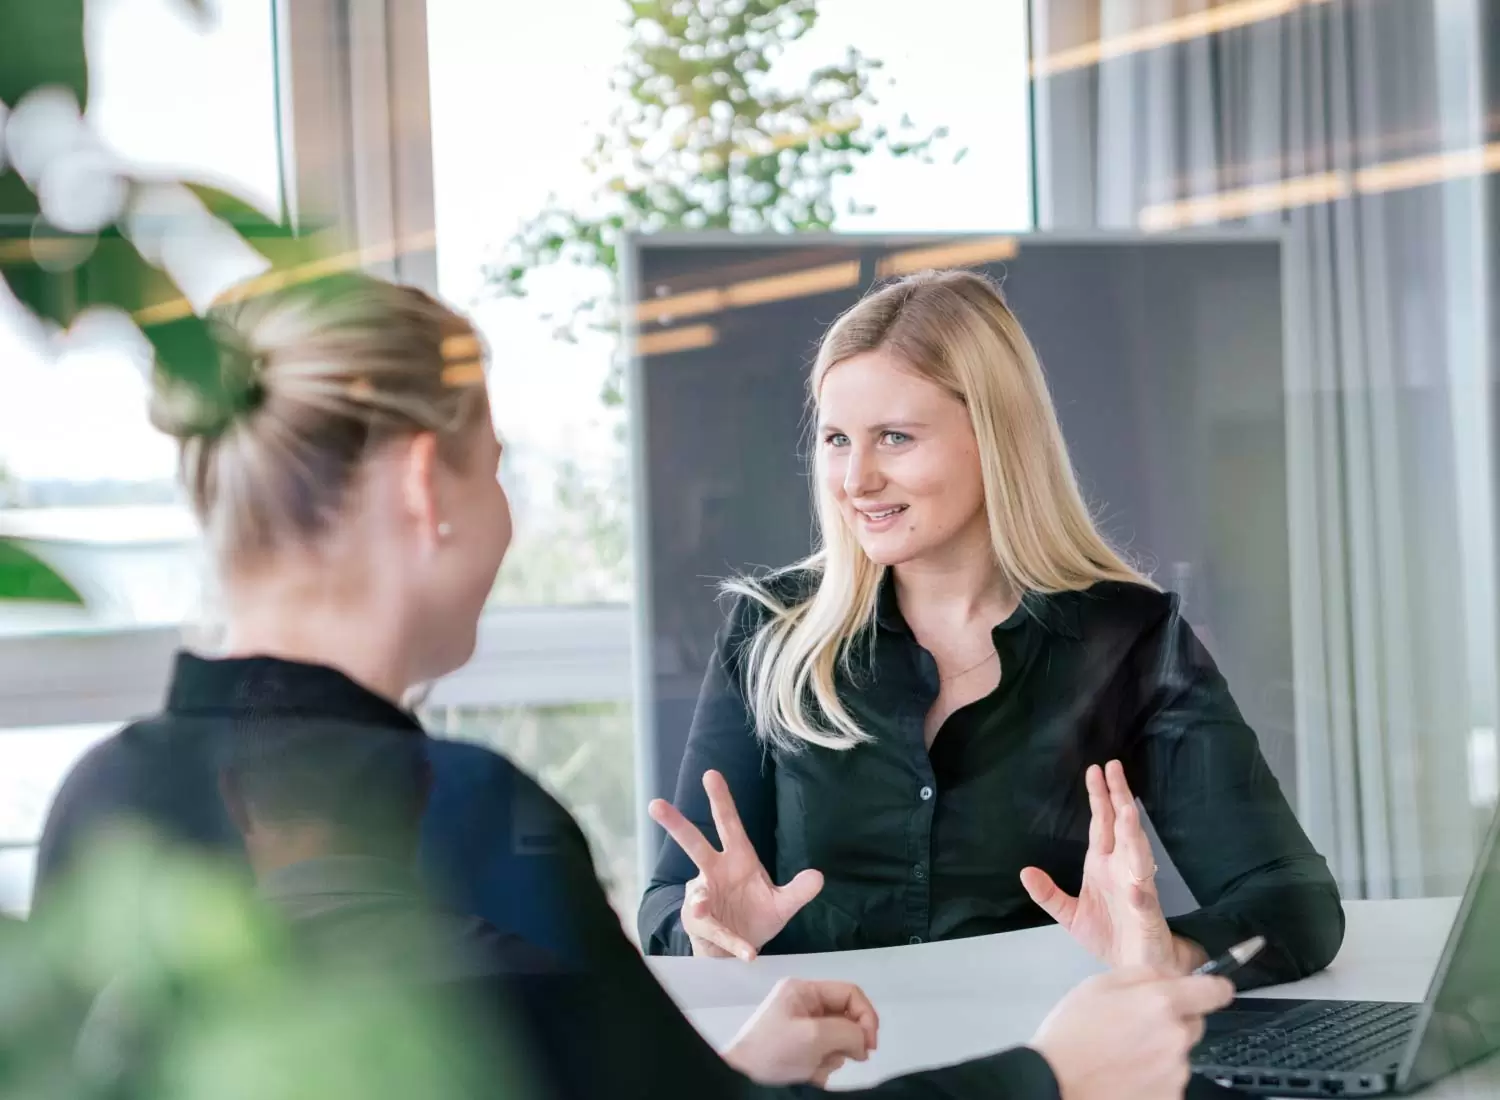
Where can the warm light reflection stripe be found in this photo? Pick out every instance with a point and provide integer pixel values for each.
(177, 308)
(464, 345)
(464, 374)
(1398, 175)
(1198, 24)
(963, 254)
(751, 292)
(676, 339)
(1377, 179)
(1244, 202)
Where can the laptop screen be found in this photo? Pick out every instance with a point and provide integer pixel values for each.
(1461, 1020)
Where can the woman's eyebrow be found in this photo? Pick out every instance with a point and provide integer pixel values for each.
(876, 429)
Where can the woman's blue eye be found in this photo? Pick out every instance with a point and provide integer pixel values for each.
(897, 438)
(837, 439)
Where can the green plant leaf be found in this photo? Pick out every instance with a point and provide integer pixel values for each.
(284, 246)
(186, 351)
(42, 43)
(23, 576)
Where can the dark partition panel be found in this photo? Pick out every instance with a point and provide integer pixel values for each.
(1165, 361)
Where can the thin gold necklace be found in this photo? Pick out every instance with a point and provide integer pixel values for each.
(971, 668)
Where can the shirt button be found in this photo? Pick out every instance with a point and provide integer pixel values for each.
(918, 872)
(915, 940)
(925, 793)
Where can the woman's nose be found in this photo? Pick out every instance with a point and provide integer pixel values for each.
(862, 475)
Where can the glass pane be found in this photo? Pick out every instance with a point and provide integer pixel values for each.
(582, 157)
(194, 98)
(87, 495)
(1281, 119)
(17, 870)
(584, 755)
(33, 764)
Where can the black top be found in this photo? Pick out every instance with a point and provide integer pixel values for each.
(494, 845)
(494, 999)
(371, 914)
(491, 838)
(926, 845)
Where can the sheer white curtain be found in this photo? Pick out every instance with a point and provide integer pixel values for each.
(1359, 126)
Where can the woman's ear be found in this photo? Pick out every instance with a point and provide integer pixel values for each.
(419, 486)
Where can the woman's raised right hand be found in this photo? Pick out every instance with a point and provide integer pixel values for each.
(732, 907)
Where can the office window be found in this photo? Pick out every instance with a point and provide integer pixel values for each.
(86, 485)
(533, 130)
(579, 753)
(520, 131)
(1179, 116)
(196, 98)
(33, 763)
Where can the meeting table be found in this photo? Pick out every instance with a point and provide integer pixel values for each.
(944, 1002)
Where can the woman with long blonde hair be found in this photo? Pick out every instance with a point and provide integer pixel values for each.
(937, 725)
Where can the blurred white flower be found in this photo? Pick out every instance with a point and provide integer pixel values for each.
(43, 126)
(81, 190)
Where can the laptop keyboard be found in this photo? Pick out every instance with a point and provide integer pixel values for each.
(1337, 1036)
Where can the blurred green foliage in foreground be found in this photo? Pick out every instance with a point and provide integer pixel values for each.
(211, 1001)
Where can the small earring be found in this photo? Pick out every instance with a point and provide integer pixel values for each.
(444, 530)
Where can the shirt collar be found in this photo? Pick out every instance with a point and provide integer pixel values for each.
(340, 875)
(1058, 611)
(267, 686)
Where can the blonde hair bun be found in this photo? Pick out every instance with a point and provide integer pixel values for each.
(207, 406)
(301, 383)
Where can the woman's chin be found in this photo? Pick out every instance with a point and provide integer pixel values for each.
(887, 552)
(452, 655)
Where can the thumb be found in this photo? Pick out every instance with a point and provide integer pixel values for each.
(830, 1066)
(1050, 897)
(838, 1036)
(797, 893)
(1121, 977)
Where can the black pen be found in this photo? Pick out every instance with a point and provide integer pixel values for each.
(1236, 957)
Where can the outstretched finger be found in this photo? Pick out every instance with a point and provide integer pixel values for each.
(1101, 811)
(1056, 902)
(1119, 788)
(1130, 835)
(1134, 847)
(687, 835)
(804, 886)
(726, 815)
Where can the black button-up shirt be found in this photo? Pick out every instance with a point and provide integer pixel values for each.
(917, 844)
(493, 845)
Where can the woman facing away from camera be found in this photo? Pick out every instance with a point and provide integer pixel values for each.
(343, 464)
(938, 724)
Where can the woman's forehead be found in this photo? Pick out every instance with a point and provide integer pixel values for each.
(879, 385)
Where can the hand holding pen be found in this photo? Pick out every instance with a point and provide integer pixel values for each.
(1236, 957)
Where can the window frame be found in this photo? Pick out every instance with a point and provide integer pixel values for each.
(528, 656)
(354, 116)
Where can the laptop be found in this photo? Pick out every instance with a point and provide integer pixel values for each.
(1293, 1048)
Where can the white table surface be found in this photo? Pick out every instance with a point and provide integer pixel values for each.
(944, 1002)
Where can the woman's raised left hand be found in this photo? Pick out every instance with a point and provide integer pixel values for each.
(1117, 915)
